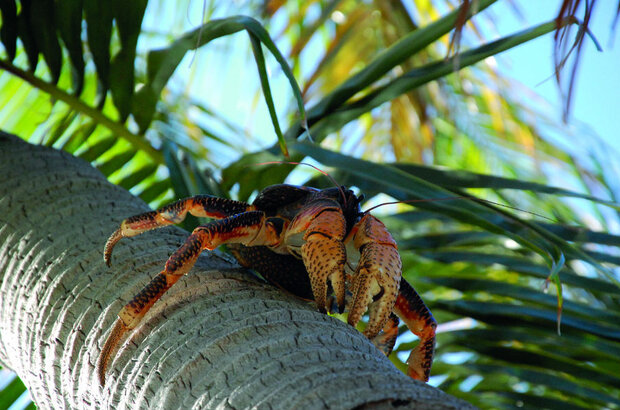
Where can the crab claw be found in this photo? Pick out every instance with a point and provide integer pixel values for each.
(324, 269)
(376, 280)
(323, 252)
(375, 286)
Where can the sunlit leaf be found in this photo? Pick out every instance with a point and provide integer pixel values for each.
(406, 47)
(10, 394)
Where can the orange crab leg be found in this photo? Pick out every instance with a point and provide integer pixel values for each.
(323, 252)
(385, 340)
(377, 277)
(201, 206)
(246, 228)
(419, 319)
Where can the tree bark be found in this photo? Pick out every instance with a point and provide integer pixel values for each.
(219, 338)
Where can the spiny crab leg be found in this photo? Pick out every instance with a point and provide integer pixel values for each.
(201, 206)
(419, 319)
(245, 228)
(377, 277)
(377, 285)
(323, 252)
(386, 339)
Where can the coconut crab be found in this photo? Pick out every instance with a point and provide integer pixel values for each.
(315, 244)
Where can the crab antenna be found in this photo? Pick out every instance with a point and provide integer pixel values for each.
(449, 198)
(344, 197)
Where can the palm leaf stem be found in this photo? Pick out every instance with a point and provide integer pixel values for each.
(78, 105)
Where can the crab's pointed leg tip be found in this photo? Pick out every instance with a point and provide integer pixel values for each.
(341, 303)
(111, 243)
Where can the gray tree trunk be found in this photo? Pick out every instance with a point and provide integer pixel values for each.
(218, 338)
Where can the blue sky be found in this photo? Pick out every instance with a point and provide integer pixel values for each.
(597, 92)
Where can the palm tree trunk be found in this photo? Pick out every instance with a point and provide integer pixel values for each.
(218, 338)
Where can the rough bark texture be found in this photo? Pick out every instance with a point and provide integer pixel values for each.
(219, 338)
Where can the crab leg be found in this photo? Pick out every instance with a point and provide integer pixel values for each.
(386, 339)
(419, 319)
(201, 206)
(323, 252)
(377, 277)
(246, 228)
